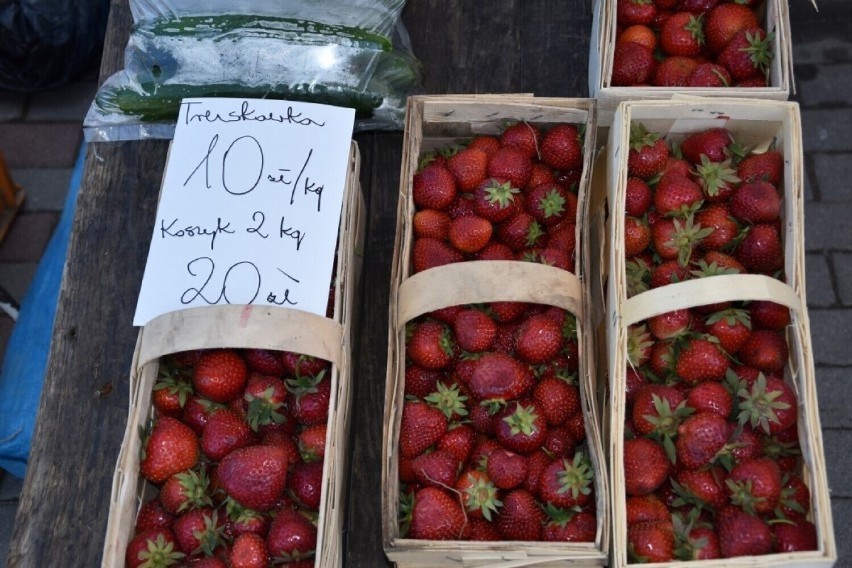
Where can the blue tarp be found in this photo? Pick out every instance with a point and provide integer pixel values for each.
(22, 374)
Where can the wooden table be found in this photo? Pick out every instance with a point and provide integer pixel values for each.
(507, 46)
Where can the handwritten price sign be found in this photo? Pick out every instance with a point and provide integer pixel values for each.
(250, 207)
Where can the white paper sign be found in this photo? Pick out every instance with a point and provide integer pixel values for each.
(250, 207)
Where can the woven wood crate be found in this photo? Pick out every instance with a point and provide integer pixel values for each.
(752, 123)
(774, 17)
(265, 327)
(435, 122)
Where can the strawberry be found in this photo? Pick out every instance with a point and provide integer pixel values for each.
(696, 6)
(644, 508)
(433, 187)
(431, 223)
(724, 21)
(220, 375)
(557, 398)
(298, 364)
(756, 202)
(648, 154)
(539, 339)
(700, 438)
(522, 136)
(712, 142)
(249, 551)
(658, 409)
(638, 33)
(469, 234)
(670, 324)
(265, 397)
(748, 54)
(635, 12)
(483, 531)
(755, 485)
(254, 476)
(264, 361)
(718, 180)
(495, 251)
(767, 166)
(507, 469)
(542, 173)
(646, 466)
(766, 350)
(496, 200)
(422, 426)
(311, 442)
(437, 515)
(742, 534)
(760, 250)
(709, 75)
(795, 500)
(732, 327)
(170, 448)
(795, 536)
(521, 517)
(500, 376)
(436, 469)
(550, 204)
(304, 483)
(505, 312)
(710, 396)
(677, 239)
(662, 359)
(569, 525)
(185, 490)
(637, 236)
(152, 547)
(651, 541)
(632, 64)
(478, 494)
(197, 411)
(769, 404)
(682, 34)
(769, 315)
(244, 521)
(171, 391)
(724, 228)
(292, 537)
(520, 231)
(458, 440)
(674, 71)
(510, 164)
(562, 149)
(474, 330)
(521, 427)
(461, 206)
(430, 345)
(486, 143)
(152, 515)
(701, 487)
(469, 167)
(199, 531)
(701, 360)
(676, 194)
(715, 263)
(637, 197)
(429, 253)
(696, 542)
(310, 399)
(446, 315)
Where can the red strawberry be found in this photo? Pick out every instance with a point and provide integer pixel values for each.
(569, 526)
(496, 200)
(732, 327)
(458, 440)
(437, 515)
(422, 426)
(676, 194)
(312, 442)
(542, 173)
(768, 166)
(520, 231)
(523, 136)
(748, 54)
(291, 537)
(798, 535)
(500, 376)
(152, 515)
(197, 411)
(709, 75)
(769, 315)
(310, 398)
(170, 448)
(741, 534)
(557, 398)
(431, 223)
(769, 404)
(658, 409)
(550, 204)
(186, 490)
(298, 364)
(539, 339)
(486, 143)
(765, 350)
(265, 396)
(644, 508)
(304, 482)
(433, 187)
(505, 312)
(474, 330)
(637, 236)
(220, 375)
(646, 466)
(674, 71)
(469, 234)
(755, 485)
(630, 12)
(724, 21)
(760, 250)
(482, 530)
(795, 500)
(199, 530)
(510, 164)
(682, 34)
(700, 438)
(648, 154)
(521, 517)
(697, 543)
(710, 396)
(436, 469)
(632, 64)
(430, 345)
(717, 217)
(429, 253)
(171, 391)
(521, 427)
(495, 251)
(264, 361)
(249, 551)
(461, 206)
(637, 197)
(507, 469)
(712, 142)
(245, 521)
(670, 324)
(651, 541)
(702, 487)
(696, 6)
(639, 345)
(756, 202)
(152, 547)
(478, 494)
(701, 360)
(469, 167)
(254, 476)
(561, 148)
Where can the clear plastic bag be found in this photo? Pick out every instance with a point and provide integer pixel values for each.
(354, 54)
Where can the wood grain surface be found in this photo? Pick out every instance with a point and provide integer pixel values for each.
(534, 46)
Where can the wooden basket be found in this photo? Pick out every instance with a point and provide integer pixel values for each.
(434, 122)
(775, 16)
(265, 327)
(757, 123)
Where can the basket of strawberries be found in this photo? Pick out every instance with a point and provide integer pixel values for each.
(492, 447)
(714, 438)
(647, 49)
(235, 451)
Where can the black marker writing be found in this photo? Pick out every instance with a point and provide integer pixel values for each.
(294, 234)
(242, 167)
(248, 114)
(191, 294)
(206, 162)
(194, 230)
(256, 230)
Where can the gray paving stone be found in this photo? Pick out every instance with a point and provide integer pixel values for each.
(833, 172)
(41, 144)
(827, 227)
(46, 188)
(70, 102)
(15, 277)
(843, 271)
(841, 512)
(812, 80)
(12, 106)
(27, 237)
(10, 487)
(827, 129)
(818, 281)
(7, 523)
(819, 49)
(838, 456)
(834, 396)
(830, 333)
